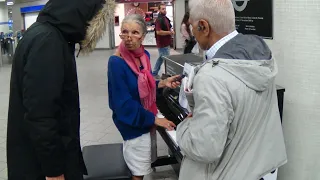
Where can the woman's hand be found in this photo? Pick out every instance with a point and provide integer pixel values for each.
(163, 122)
(170, 82)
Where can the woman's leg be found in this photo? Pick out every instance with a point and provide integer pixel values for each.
(185, 49)
(159, 62)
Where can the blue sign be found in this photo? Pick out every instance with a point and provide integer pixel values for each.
(9, 22)
(31, 9)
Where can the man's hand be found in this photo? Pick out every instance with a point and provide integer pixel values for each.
(56, 178)
(172, 32)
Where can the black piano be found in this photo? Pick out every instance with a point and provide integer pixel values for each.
(174, 65)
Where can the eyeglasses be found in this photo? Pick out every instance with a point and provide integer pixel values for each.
(126, 36)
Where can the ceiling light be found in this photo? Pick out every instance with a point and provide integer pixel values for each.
(10, 3)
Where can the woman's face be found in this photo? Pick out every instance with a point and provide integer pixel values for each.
(132, 35)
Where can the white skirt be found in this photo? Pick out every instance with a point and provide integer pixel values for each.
(137, 154)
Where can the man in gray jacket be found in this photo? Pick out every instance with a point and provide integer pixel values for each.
(235, 131)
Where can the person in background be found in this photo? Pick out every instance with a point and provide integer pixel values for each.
(235, 129)
(163, 37)
(132, 96)
(43, 139)
(186, 33)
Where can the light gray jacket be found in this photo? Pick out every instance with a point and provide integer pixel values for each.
(235, 132)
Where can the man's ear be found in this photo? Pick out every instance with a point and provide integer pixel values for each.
(204, 26)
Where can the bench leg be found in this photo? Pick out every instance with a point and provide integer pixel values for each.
(164, 161)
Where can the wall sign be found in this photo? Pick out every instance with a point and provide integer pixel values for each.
(254, 17)
(31, 9)
(153, 6)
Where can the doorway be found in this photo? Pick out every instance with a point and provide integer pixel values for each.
(29, 19)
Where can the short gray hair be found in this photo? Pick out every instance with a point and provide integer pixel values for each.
(219, 14)
(137, 18)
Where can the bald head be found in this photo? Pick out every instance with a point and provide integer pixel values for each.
(218, 13)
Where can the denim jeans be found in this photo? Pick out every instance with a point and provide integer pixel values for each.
(165, 51)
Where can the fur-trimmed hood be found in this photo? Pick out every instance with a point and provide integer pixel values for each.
(80, 21)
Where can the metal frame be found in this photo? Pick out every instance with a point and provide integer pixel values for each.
(111, 35)
(1, 60)
(164, 161)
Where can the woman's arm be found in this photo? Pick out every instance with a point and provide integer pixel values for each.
(184, 32)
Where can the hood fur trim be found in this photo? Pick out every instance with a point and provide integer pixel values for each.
(98, 26)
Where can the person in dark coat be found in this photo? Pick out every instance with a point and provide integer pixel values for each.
(43, 140)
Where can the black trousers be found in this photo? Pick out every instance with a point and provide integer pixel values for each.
(188, 47)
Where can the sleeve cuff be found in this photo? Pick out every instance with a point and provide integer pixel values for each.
(149, 119)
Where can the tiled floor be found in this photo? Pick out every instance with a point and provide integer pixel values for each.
(96, 124)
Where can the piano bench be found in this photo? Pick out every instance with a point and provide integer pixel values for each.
(105, 162)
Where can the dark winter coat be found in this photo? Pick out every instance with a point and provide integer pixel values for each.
(44, 115)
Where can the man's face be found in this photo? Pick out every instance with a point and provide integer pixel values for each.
(163, 10)
(201, 30)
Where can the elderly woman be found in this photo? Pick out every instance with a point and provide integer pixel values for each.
(132, 96)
